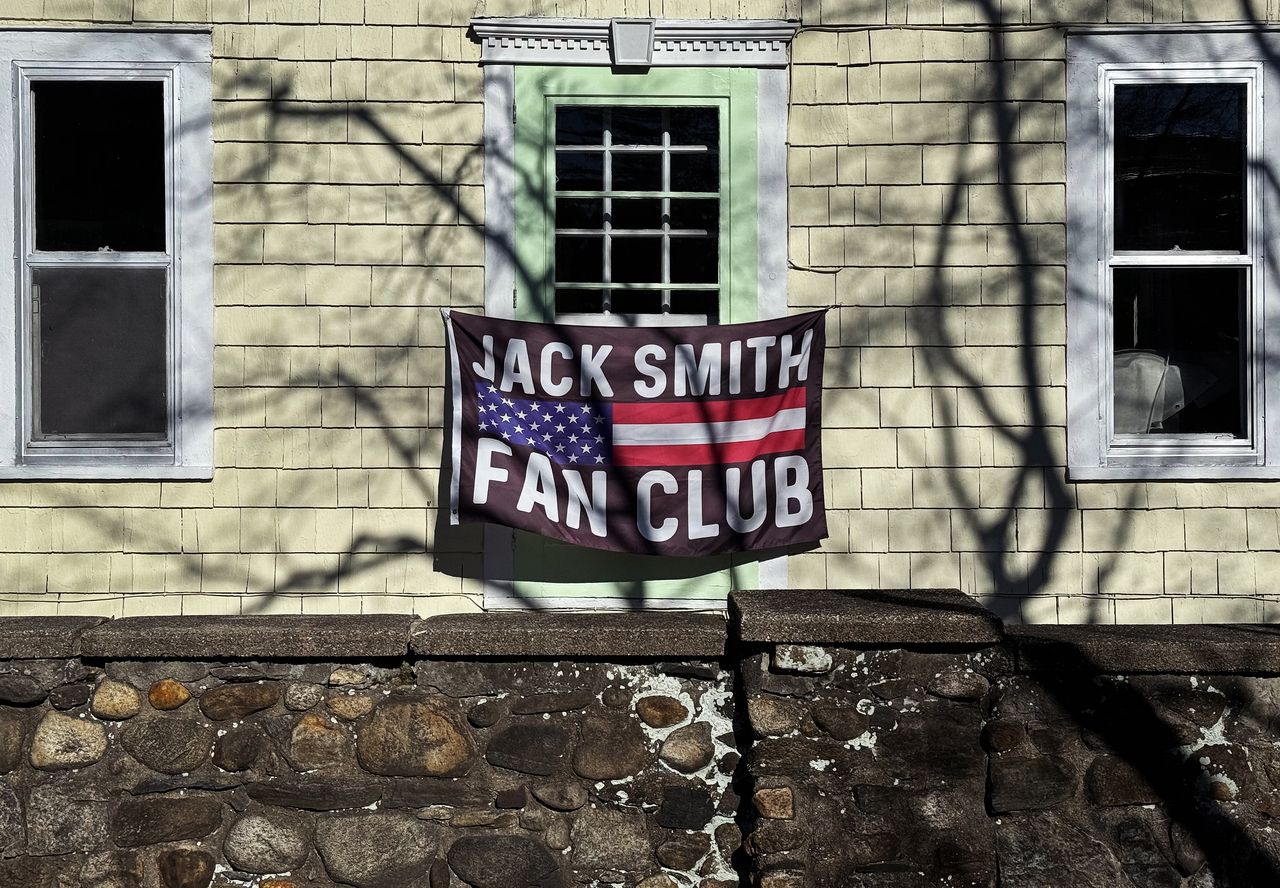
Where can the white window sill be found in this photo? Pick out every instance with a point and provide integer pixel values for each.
(106, 473)
(1173, 473)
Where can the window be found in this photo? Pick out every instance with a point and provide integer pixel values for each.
(1168, 350)
(106, 338)
(631, 195)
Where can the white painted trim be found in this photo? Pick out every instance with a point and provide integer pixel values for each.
(549, 40)
(455, 391)
(182, 61)
(1095, 64)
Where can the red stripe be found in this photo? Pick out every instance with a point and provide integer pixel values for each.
(694, 410)
(707, 454)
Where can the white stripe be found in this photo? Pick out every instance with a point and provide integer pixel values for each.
(708, 432)
(455, 470)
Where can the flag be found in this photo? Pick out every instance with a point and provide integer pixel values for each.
(683, 441)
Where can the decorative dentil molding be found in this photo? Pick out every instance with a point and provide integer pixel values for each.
(757, 43)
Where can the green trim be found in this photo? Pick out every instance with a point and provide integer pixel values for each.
(545, 568)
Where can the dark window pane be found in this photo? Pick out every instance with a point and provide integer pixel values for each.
(637, 213)
(99, 165)
(579, 259)
(101, 351)
(637, 260)
(579, 171)
(1178, 351)
(698, 215)
(1180, 166)
(695, 126)
(637, 172)
(699, 302)
(694, 260)
(695, 172)
(636, 302)
(579, 126)
(579, 212)
(636, 126)
(578, 301)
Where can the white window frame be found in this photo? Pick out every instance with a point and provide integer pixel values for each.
(1097, 63)
(507, 42)
(181, 62)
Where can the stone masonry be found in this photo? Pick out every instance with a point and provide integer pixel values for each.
(849, 739)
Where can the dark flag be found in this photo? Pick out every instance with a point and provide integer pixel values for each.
(656, 440)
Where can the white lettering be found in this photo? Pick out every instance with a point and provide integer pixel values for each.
(800, 360)
(761, 346)
(516, 368)
(644, 506)
(698, 529)
(735, 367)
(659, 377)
(549, 351)
(592, 372)
(733, 498)
(579, 501)
(791, 485)
(486, 472)
(701, 377)
(485, 370)
(539, 488)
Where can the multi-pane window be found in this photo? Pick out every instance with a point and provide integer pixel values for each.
(1169, 371)
(637, 211)
(106, 336)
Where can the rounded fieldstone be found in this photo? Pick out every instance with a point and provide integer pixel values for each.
(167, 694)
(688, 749)
(685, 807)
(536, 749)
(301, 695)
(238, 748)
(115, 700)
(235, 701)
(504, 862)
(349, 706)
(661, 711)
(774, 802)
(415, 738)
(561, 795)
(64, 741)
(344, 676)
(841, 722)
(377, 850)
(17, 689)
(1002, 734)
(683, 850)
(317, 743)
(612, 748)
(258, 844)
(70, 696)
(167, 744)
(616, 697)
(487, 713)
(658, 880)
(959, 684)
(186, 868)
(772, 717)
(557, 835)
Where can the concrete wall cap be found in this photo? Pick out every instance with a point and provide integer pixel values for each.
(286, 637)
(42, 638)
(1224, 648)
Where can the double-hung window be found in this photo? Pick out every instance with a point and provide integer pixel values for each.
(105, 314)
(1171, 368)
(625, 190)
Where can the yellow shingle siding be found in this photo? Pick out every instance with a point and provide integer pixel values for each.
(927, 207)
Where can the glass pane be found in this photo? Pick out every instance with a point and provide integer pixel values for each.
(579, 259)
(579, 126)
(99, 165)
(637, 213)
(636, 126)
(695, 172)
(1179, 355)
(101, 351)
(579, 171)
(637, 172)
(699, 302)
(636, 301)
(695, 126)
(694, 260)
(1180, 166)
(637, 260)
(696, 215)
(576, 212)
(578, 301)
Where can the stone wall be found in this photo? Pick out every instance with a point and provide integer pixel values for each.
(846, 739)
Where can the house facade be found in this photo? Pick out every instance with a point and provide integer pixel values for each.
(1043, 234)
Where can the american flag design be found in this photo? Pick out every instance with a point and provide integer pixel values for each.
(570, 432)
